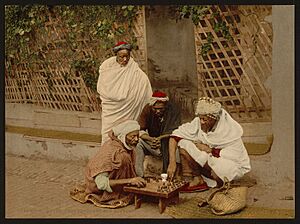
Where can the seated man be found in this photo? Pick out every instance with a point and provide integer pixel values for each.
(157, 120)
(112, 168)
(211, 148)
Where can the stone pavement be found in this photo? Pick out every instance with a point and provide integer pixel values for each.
(39, 188)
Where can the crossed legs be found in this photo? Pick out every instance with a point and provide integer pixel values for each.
(192, 170)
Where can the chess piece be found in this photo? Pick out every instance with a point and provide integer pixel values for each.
(164, 177)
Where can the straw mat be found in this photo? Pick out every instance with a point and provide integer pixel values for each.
(188, 208)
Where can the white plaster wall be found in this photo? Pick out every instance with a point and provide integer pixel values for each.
(32, 116)
(28, 146)
(279, 165)
(283, 150)
(171, 47)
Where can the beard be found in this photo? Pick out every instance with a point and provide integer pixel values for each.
(132, 144)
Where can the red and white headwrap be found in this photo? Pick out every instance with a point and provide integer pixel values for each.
(158, 96)
(122, 45)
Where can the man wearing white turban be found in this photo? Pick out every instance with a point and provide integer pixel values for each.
(111, 168)
(210, 146)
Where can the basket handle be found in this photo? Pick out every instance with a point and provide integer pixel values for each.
(226, 186)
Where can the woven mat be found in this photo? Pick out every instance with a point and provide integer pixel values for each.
(188, 208)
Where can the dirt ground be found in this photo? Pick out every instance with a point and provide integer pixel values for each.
(39, 188)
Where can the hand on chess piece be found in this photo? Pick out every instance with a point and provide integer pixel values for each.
(171, 170)
(137, 181)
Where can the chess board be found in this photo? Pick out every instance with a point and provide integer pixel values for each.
(157, 188)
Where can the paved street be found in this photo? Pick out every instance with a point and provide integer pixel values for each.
(39, 188)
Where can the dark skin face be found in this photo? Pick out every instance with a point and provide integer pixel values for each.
(207, 123)
(159, 108)
(132, 138)
(123, 57)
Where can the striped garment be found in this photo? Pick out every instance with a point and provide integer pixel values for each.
(115, 159)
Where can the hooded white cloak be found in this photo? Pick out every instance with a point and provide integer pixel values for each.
(233, 162)
(124, 91)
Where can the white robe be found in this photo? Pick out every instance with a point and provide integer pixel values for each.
(124, 91)
(233, 162)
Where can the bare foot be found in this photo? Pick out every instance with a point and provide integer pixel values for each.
(196, 180)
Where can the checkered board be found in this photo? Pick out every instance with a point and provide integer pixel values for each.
(156, 187)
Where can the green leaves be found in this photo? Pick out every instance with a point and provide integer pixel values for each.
(29, 39)
(211, 13)
(87, 69)
(195, 12)
(128, 10)
(20, 25)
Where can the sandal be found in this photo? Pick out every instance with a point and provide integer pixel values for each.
(196, 188)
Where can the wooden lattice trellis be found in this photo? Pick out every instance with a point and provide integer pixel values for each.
(237, 72)
(50, 81)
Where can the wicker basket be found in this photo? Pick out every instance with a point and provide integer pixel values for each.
(227, 200)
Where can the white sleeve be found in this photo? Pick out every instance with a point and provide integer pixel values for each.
(102, 182)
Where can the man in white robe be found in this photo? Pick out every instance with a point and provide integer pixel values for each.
(123, 87)
(210, 146)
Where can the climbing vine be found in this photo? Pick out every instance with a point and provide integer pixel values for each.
(100, 25)
(198, 13)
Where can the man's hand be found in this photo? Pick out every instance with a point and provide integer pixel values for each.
(203, 147)
(171, 170)
(152, 141)
(155, 143)
(137, 181)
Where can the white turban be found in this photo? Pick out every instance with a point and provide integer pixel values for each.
(209, 107)
(122, 129)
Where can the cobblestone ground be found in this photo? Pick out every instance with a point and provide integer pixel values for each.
(39, 188)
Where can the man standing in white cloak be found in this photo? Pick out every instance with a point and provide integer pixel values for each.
(210, 146)
(123, 87)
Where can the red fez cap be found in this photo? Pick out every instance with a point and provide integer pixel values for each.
(120, 43)
(159, 94)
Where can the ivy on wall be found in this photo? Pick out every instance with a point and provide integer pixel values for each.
(199, 12)
(100, 24)
(103, 24)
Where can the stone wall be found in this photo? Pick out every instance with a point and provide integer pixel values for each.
(32, 116)
(171, 49)
(279, 165)
(283, 98)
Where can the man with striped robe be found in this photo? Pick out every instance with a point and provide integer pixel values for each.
(111, 168)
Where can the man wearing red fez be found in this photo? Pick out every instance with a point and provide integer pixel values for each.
(157, 120)
(123, 87)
